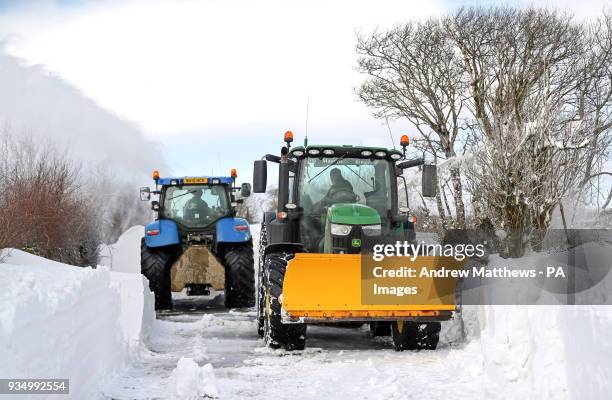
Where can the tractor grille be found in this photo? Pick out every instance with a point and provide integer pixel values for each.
(347, 244)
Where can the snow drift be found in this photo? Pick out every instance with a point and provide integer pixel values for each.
(62, 321)
(124, 256)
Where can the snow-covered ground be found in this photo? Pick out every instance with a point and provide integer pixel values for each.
(96, 327)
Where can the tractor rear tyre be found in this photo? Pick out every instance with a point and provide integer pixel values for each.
(277, 334)
(380, 328)
(263, 242)
(239, 276)
(155, 264)
(410, 335)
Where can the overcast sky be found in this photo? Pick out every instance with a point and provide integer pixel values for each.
(217, 82)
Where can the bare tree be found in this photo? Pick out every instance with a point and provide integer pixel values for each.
(529, 74)
(414, 72)
(532, 89)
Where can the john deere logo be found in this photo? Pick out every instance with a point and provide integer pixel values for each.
(356, 243)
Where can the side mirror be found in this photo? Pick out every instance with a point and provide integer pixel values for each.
(145, 194)
(260, 176)
(429, 180)
(245, 190)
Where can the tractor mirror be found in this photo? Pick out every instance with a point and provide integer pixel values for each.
(429, 180)
(245, 190)
(260, 176)
(145, 194)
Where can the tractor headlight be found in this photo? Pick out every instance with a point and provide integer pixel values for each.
(216, 181)
(371, 230)
(381, 154)
(340, 230)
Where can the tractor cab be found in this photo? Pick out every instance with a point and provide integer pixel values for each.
(345, 194)
(340, 199)
(196, 204)
(197, 242)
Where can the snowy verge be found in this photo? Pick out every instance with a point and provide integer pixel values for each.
(62, 321)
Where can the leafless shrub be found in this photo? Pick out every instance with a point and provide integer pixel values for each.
(42, 207)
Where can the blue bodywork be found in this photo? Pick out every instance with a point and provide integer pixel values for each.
(233, 230)
(164, 232)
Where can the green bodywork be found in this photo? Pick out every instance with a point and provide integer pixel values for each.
(352, 214)
(348, 214)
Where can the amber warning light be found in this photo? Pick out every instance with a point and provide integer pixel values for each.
(404, 141)
(288, 136)
(234, 173)
(156, 175)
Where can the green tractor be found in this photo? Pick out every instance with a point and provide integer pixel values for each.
(334, 203)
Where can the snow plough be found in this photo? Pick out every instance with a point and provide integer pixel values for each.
(334, 204)
(196, 242)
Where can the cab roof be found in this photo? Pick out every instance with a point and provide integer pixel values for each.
(194, 180)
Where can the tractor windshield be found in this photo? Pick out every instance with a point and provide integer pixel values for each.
(331, 180)
(196, 206)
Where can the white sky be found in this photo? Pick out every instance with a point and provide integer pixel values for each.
(203, 77)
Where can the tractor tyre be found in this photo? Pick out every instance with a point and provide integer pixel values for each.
(263, 242)
(239, 276)
(155, 264)
(410, 335)
(380, 328)
(277, 333)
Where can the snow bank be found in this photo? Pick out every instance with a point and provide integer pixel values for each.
(62, 321)
(137, 306)
(124, 256)
(548, 351)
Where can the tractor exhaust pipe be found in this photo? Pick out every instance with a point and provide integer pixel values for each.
(283, 180)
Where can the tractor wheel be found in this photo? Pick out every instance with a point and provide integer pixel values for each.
(277, 334)
(410, 335)
(155, 265)
(380, 328)
(239, 276)
(263, 242)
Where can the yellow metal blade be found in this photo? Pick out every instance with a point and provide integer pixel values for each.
(335, 286)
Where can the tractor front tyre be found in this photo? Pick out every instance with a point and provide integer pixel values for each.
(276, 333)
(155, 265)
(263, 242)
(239, 276)
(410, 335)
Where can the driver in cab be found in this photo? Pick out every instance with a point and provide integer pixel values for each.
(341, 190)
(196, 209)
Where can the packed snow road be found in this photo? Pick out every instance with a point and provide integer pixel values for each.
(340, 362)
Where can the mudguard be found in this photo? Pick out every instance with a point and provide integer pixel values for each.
(160, 233)
(233, 230)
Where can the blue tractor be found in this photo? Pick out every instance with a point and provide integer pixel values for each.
(196, 241)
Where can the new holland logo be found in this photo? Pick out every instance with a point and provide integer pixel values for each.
(356, 243)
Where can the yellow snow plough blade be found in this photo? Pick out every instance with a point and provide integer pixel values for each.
(340, 287)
